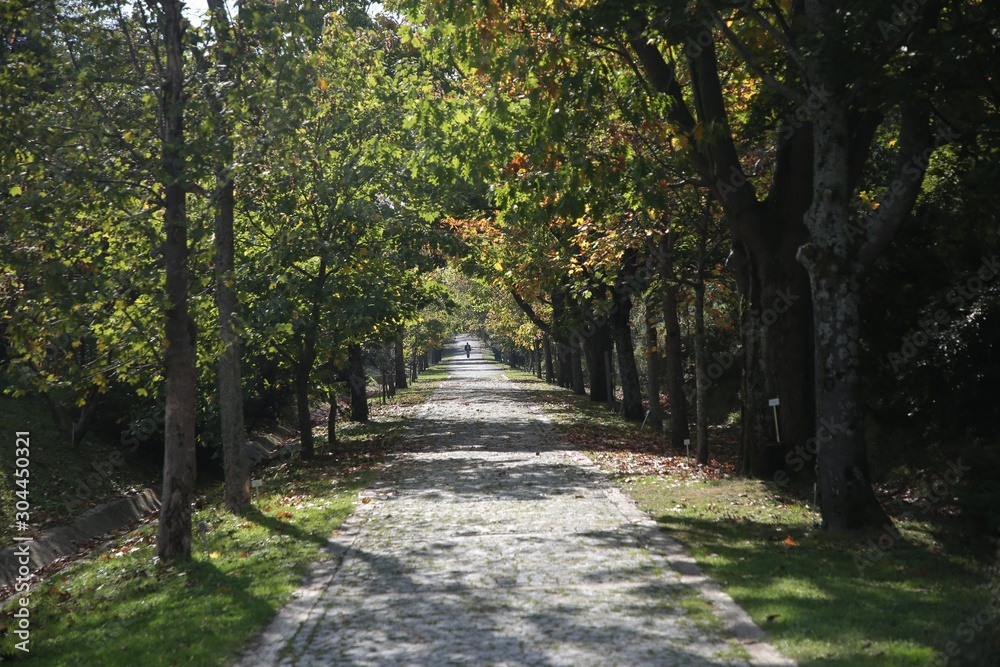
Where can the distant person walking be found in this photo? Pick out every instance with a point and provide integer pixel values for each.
(468, 350)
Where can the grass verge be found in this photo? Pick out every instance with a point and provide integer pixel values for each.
(900, 598)
(119, 606)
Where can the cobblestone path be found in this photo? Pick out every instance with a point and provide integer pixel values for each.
(487, 542)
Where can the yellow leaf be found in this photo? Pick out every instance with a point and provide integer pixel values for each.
(214, 554)
(322, 84)
(498, 266)
(15, 191)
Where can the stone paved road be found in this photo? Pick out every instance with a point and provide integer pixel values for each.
(487, 542)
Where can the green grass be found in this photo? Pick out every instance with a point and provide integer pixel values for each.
(828, 602)
(122, 607)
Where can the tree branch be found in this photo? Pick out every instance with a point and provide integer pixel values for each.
(915, 147)
(530, 312)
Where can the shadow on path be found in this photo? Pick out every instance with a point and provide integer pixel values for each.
(489, 541)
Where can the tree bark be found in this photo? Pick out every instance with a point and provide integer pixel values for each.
(400, 358)
(597, 347)
(620, 322)
(701, 379)
(174, 533)
(235, 464)
(655, 418)
(331, 422)
(679, 430)
(578, 383)
(836, 256)
(303, 375)
(765, 236)
(547, 347)
(358, 382)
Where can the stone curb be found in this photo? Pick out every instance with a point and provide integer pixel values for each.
(65, 541)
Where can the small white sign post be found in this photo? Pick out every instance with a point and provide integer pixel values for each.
(774, 403)
(687, 445)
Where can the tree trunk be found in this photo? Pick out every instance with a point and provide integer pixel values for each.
(538, 359)
(655, 418)
(576, 370)
(621, 318)
(701, 379)
(303, 378)
(359, 383)
(400, 357)
(331, 422)
(236, 466)
(766, 236)
(778, 361)
(173, 542)
(597, 347)
(847, 500)
(547, 348)
(679, 431)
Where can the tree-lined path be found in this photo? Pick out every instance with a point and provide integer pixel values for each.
(488, 541)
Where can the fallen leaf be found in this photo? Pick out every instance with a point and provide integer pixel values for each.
(790, 542)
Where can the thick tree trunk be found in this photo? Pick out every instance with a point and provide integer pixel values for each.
(847, 500)
(766, 236)
(622, 331)
(655, 418)
(400, 357)
(597, 347)
(173, 542)
(778, 359)
(358, 382)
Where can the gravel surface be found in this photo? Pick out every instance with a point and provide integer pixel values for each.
(487, 541)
